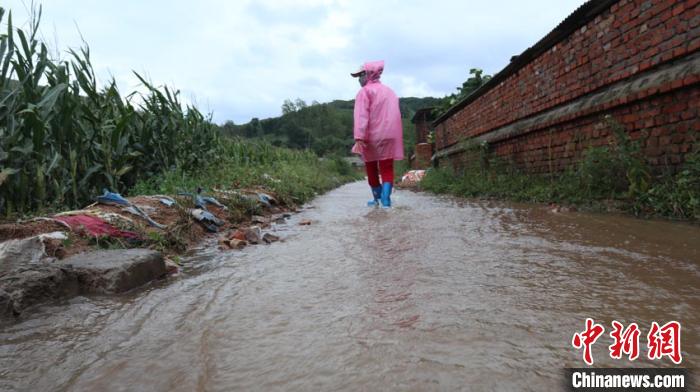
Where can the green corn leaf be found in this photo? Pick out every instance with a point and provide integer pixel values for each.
(88, 175)
(25, 45)
(123, 171)
(6, 173)
(54, 163)
(26, 150)
(48, 102)
(10, 48)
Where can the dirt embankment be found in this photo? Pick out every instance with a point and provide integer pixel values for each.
(113, 247)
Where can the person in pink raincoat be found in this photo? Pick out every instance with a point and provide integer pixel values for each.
(378, 131)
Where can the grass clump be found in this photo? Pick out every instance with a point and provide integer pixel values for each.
(614, 176)
(294, 176)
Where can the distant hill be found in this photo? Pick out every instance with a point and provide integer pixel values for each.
(325, 128)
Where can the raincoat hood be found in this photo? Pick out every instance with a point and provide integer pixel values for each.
(373, 70)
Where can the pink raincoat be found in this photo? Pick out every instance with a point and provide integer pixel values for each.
(377, 118)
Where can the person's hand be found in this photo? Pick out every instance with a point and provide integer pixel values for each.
(359, 146)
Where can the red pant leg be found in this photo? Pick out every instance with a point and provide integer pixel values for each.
(386, 168)
(372, 173)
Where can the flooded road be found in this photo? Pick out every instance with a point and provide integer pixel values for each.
(435, 294)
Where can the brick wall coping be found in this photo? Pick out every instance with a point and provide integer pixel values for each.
(584, 14)
(678, 74)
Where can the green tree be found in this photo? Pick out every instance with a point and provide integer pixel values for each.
(288, 107)
(325, 128)
(300, 104)
(476, 80)
(473, 83)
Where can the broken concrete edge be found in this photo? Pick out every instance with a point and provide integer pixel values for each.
(100, 272)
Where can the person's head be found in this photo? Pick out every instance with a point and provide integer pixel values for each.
(362, 79)
(370, 71)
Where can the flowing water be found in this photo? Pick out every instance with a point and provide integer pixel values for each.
(434, 294)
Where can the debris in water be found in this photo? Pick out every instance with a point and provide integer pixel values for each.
(412, 178)
(258, 219)
(233, 243)
(237, 244)
(238, 235)
(270, 238)
(253, 234)
(171, 267)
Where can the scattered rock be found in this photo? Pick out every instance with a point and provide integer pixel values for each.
(555, 208)
(238, 235)
(116, 271)
(171, 267)
(237, 244)
(305, 222)
(55, 248)
(270, 238)
(258, 219)
(278, 218)
(253, 234)
(286, 215)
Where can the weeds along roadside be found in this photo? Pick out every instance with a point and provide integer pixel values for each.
(294, 176)
(614, 177)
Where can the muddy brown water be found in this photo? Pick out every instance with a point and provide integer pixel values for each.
(435, 294)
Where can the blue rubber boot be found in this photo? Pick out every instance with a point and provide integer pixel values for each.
(377, 194)
(386, 194)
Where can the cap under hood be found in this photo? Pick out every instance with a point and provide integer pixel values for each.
(373, 70)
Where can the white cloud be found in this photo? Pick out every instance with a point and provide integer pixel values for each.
(241, 59)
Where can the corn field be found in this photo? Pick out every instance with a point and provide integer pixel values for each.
(63, 138)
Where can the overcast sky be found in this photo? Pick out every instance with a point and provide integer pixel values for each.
(241, 59)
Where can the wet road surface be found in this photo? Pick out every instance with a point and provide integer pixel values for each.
(434, 294)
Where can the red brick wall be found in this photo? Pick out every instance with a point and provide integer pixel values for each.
(629, 39)
(424, 151)
(422, 120)
(666, 127)
(421, 131)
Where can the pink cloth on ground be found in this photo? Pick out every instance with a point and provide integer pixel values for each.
(377, 118)
(94, 226)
